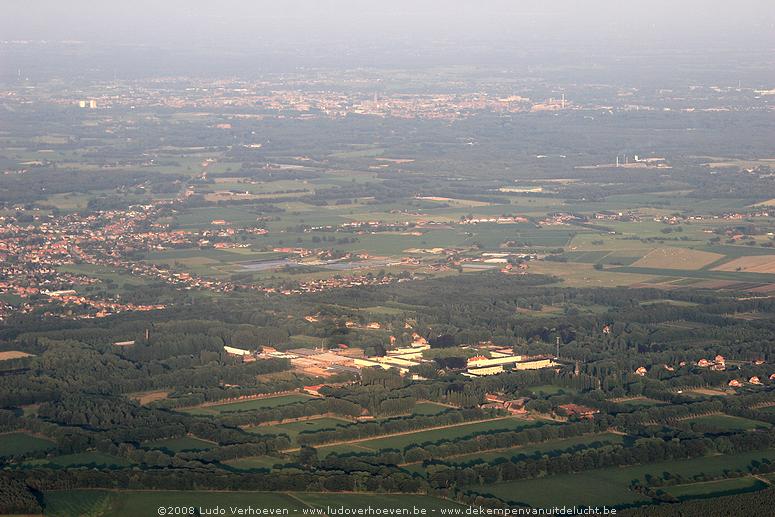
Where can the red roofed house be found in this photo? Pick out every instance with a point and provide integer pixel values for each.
(314, 389)
(491, 397)
(516, 406)
(578, 410)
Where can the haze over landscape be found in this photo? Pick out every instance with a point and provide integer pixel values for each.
(387, 258)
(241, 36)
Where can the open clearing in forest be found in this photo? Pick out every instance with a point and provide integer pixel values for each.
(293, 429)
(248, 405)
(146, 397)
(21, 443)
(184, 443)
(13, 354)
(724, 423)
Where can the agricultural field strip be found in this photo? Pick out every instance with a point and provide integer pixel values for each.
(210, 408)
(616, 480)
(404, 433)
(676, 258)
(737, 276)
(540, 446)
(716, 486)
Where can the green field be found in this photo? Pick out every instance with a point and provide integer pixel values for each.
(733, 252)
(448, 433)
(105, 274)
(740, 276)
(611, 486)
(595, 488)
(584, 275)
(551, 447)
(255, 462)
(723, 423)
(716, 488)
(248, 405)
(82, 459)
(586, 257)
(77, 503)
(675, 303)
(549, 389)
(347, 448)
(621, 257)
(99, 503)
(383, 310)
(491, 235)
(203, 216)
(597, 440)
(584, 246)
(641, 402)
(428, 408)
(292, 429)
(12, 444)
(185, 443)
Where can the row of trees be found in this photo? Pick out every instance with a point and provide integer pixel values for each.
(643, 452)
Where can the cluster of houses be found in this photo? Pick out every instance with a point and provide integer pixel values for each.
(754, 380)
(338, 282)
(578, 411)
(718, 363)
(414, 227)
(503, 219)
(609, 215)
(728, 216)
(32, 255)
(276, 99)
(736, 383)
(517, 406)
(103, 307)
(498, 401)
(561, 218)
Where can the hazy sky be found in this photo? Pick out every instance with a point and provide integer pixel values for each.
(187, 23)
(371, 32)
